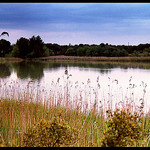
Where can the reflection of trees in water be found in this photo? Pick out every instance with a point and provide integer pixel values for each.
(4, 70)
(107, 65)
(34, 70)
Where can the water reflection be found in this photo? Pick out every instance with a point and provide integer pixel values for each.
(32, 70)
(94, 81)
(35, 70)
(5, 70)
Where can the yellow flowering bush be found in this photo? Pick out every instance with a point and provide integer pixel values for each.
(53, 133)
(124, 129)
(2, 142)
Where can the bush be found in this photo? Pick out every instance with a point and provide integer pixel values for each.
(47, 51)
(15, 51)
(70, 52)
(2, 142)
(124, 129)
(49, 134)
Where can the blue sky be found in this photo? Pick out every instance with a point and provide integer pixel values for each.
(76, 23)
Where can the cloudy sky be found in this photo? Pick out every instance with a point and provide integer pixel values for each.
(75, 23)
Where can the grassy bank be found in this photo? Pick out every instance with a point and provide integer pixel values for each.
(20, 113)
(77, 58)
(10, 59)
(18, 116)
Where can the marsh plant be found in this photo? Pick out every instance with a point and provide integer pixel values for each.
(34, 117)
(125, 128)
(126, 125)
(53, 133)
(2, 142)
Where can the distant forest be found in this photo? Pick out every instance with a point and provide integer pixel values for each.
(35, 47)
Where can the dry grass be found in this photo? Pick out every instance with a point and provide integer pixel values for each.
(21, 109)
(79, 58)
(10, 59)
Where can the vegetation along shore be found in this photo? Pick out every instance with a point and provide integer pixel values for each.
(34, 47)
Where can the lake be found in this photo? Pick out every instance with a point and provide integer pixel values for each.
(77, 84)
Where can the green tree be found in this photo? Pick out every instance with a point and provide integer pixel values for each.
(146, 52)
(135, 53)
(107, 52)
(123, 52)
(88, 51)
(23, 46)
(97, 50)
(15, 51)
(71, 52)
(115, 52)
(48, 52)
(4, 47)
(81, 51)
(36, 47)
(102, 45)
(57, 49)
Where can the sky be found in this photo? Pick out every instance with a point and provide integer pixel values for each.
(77, 23)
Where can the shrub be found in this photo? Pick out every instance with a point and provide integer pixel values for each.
(70, 52)
(47, 51)
(50, 134)
(15, 51)
(2, 142)
(124, 129)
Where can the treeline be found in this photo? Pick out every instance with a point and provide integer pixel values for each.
(35, 47)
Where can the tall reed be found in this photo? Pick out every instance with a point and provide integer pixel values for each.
(83, 110)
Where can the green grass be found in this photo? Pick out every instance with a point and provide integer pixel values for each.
(18, 115)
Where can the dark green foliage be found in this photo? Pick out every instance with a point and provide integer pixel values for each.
(71, 52)
(97, 51)
(124, 129)
(15, 51)
(135, 53)
(89, 51)
(47, 51)
(146, 52)
(81, 51)
(23, 47)
(57, 49)
(50, 134)
(36, 47)
(5, 47)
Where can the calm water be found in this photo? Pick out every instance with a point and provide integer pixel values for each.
(86, 83)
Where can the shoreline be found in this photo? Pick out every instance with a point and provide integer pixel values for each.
(78, 58)
(84, 58)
